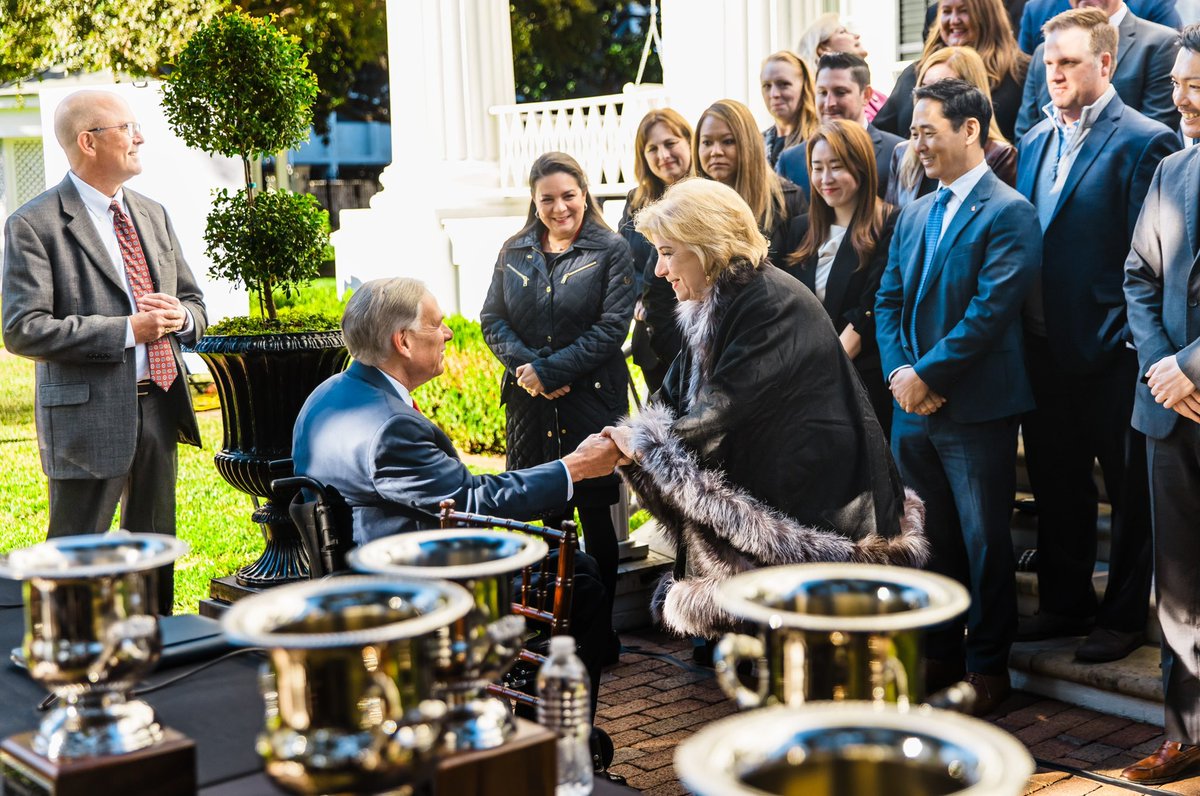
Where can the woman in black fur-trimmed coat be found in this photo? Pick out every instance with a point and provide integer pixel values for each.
(761, 447)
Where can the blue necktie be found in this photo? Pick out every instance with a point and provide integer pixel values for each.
(933, 231)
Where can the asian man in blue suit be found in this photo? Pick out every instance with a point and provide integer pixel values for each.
(361, 431)
(1086, 167)
(948, 323)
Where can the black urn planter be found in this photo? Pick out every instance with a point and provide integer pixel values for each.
(262, 381)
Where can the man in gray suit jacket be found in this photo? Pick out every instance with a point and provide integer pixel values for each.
(1145, 54)
(1162, 293)
(362, 433)
(97, 292)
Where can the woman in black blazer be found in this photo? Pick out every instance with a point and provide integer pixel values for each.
(844, 246)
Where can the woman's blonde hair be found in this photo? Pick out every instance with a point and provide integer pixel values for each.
(817, 34)
(649, 186)
(967, 65)
(806, 119)
(755, 182)
(994, 41)
(710, 219)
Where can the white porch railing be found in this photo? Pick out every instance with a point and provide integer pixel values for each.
(596, 131)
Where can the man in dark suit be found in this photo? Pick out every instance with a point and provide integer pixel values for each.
(843, 91)
(97, 292)
(1086, 169)
(947, 320)
(1162, 289)
(1144, 56)
(1037, 12)
(361, 432)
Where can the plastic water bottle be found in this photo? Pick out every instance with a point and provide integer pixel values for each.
(563, 687)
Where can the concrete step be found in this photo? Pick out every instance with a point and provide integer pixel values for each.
(1131, 687)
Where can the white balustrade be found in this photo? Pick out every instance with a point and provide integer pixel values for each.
(596, 131)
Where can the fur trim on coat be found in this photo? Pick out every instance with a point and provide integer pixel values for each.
(727, 531)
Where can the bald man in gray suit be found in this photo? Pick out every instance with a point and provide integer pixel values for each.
(97, 293)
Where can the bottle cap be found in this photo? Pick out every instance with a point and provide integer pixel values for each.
(562, 645)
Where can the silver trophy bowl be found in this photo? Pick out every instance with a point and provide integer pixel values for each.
(349, 681)
(830, 749)
(485, 644)
(833, 632)
(91, 635)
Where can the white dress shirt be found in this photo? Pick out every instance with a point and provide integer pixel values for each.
(98, 207)
(825, 257)
(406, 396)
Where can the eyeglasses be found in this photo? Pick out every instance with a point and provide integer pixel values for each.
(131, 128)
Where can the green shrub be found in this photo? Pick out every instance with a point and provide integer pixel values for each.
(465, 399)
(318, 297)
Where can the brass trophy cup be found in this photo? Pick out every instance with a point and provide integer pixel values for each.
(833, 632)
(349, 682)
(830, 749)
(484, 644)
(90, 636)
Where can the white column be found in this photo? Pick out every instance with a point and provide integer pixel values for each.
(450, 60)
(714, 49)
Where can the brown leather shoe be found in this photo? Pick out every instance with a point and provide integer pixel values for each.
(1169, 763)
(990, 691)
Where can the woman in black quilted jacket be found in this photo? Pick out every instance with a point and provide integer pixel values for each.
(556, 314)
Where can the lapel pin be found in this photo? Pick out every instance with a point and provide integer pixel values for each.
(972, 208)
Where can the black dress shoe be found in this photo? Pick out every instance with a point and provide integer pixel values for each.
(1103, 645)
(1168, 763)
(990, 691)
(1044, 625)
(941, 674)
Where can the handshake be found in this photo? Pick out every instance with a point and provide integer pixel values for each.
(600, 453)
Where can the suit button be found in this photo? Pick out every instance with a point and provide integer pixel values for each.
(564, 431)
(597, 385)
(548, 338)
(549, 433)
(547, 288)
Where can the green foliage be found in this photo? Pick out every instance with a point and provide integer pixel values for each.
(286, 322)
(274, 240)
(465, 399)
(241, 88)
(116, 35)
(344, 40)
(570, 48)
(318, 296)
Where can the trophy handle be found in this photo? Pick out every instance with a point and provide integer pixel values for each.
(895, 675)
(730, 651)
(131, 646)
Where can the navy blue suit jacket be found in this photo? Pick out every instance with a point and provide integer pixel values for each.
(1037, 12)
(1142, 76)
(793, 161)
(1087, 240)
(1162, 283)
(968, 320)
(355, 433)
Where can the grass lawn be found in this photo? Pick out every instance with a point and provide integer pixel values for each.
(211, 516)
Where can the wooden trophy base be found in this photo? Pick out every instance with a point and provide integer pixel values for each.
(166, 769)
(527, 764)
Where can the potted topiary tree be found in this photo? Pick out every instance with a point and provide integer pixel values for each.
(242, 88)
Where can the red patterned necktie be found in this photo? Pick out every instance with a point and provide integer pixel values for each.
(158, 353)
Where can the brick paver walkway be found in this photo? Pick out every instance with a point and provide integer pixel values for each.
(648, 705)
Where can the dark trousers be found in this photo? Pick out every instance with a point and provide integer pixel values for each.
(1175, 500)
(965, 473)
(146, 493)
(1080, 419)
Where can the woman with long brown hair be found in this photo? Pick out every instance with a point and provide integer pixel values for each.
(728, 149)
(556, 315)
(984, 26)
(663, 148)
(843, 247)
(788, 93)
(907, 180)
